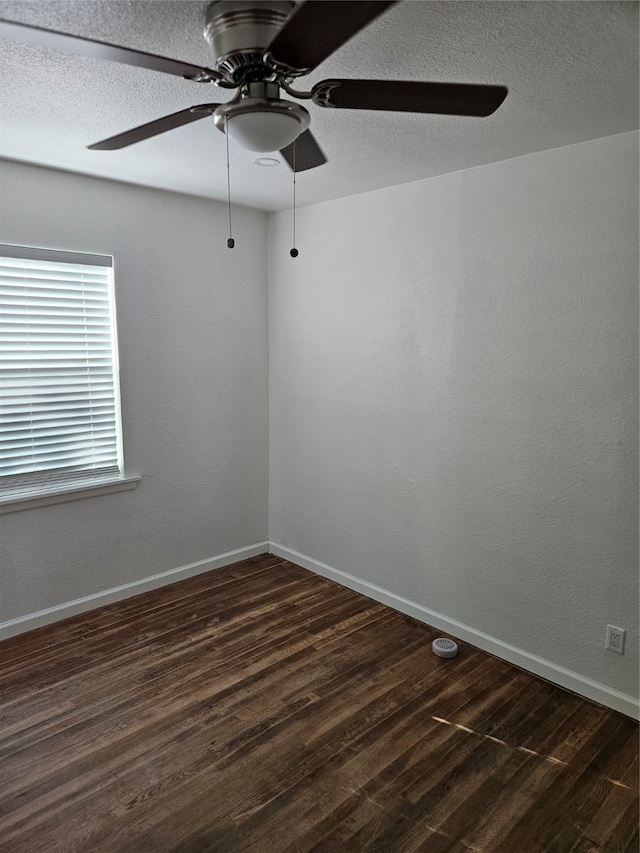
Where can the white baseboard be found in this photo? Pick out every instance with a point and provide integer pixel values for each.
(117, 593)
(532, 663)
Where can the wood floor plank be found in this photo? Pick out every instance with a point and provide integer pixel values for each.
(260, 708)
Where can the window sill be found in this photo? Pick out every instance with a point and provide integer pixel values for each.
(69, 493)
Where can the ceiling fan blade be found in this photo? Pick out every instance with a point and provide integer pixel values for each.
(79, 46)
(317, 28)
(461, 99)
(308, 153)
(153, 128)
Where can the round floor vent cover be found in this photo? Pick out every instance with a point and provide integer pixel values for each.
(444, 648)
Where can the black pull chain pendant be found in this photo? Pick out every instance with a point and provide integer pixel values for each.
(230, 242)
(294, 251)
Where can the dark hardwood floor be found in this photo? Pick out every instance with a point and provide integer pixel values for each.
(262, 708)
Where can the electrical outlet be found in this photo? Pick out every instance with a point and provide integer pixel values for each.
(615, 639)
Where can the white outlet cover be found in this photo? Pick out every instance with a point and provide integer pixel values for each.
(615, 639)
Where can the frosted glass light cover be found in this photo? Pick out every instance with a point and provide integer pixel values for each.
(264, 131)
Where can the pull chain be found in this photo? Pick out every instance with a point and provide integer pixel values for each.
(230, 242)
(294, 251)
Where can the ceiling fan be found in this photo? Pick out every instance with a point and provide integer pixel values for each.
(260, 47)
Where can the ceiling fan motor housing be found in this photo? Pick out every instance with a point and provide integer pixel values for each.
(238, 31)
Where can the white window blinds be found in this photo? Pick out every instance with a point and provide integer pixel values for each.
(59, 395)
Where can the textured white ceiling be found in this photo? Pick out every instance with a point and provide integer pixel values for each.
(571, 68)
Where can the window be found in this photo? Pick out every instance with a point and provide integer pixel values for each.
(60, 426)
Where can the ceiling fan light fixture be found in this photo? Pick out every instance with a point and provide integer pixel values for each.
(262, 125)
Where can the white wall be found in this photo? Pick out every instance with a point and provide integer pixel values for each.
(453, 392)
(453, 398)
(193, 358)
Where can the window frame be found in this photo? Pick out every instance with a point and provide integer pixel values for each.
(67, 487)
